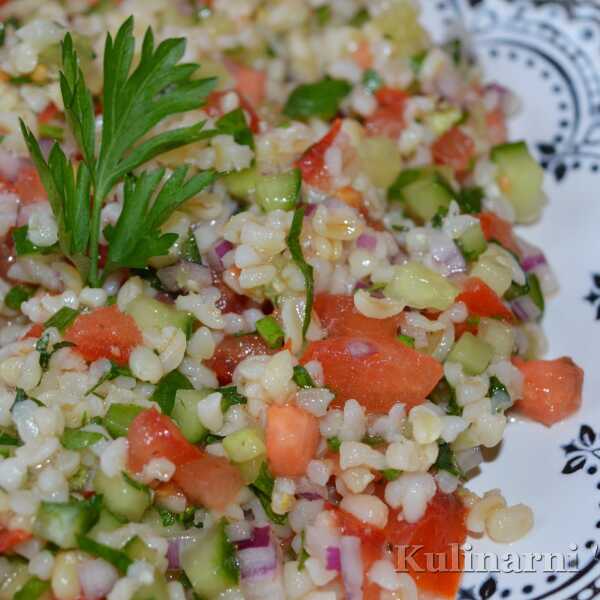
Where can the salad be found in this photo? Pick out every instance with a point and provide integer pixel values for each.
(263, 301)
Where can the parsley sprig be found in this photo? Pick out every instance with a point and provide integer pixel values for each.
(134, 102)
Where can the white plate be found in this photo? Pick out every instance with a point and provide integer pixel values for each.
(548, 52)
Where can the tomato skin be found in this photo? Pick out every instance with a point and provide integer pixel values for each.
(249, 82)
(388, 119)
(232, 351)
(496, 228)
(339, 316)
(391, 373)
(481, 300)
(551, 390)
(105, 333)
(50, 112)
(454, 149)
(292, 436)
(35, 331)
(209, 481)
(153, 435)
(496, 126)
(440, 531)
(28, 185)
(9, 538)
(312, 162)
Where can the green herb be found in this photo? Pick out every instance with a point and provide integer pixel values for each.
(443, 395)
(42, 347)
(134, 103)
(446, 461)
(535, 291)
(373, 440)
(164, 394)
(334, 443)
(359, 18)
(52, 132)
(372, 80)
(79, 479)
(516, 291)
(231, 396)
(406, 340)
(211, 438)
(295, 248)
(62, 319)
(455, 49)
(321, 99)
(469, 199)
(323, 15)
(189, 250)
(32, 590)
(391, 474)
(438, 219)
(21, 396)
(167, 518)
(417, 60)
(234, 123)
(186, 518)
(9, 440)
(134, 483)
(263, 489)
(23, 246)
(453, 407)
(114, 557)
(499, 395)
(17, 295)
(118, 418)
(303, 555)
(404, 178)
(270, 331)
(77, 439)
(114, 372)
(302, 377)
(148, 274)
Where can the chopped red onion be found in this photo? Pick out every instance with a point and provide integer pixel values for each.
(468, 459)
(260, 539)
(366, 241)
(525, 309)
(333, 558)
(223, 247)
(309, 496)
(360, 349)
(216, 252)
(361, 285)
(97, 578)
(446, 254)
(174, 554)
(258, 563)
(531, 262)
(351, 566)
(310, 209)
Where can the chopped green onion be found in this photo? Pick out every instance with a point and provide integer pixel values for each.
(76, 439)
(62, 319)
(17, 295)
(302, 377)
(263, 489)
(114, 557)
(406, 340)
(9, 440)
(118, 418)
(469, 199)
(334, 443)
(391, 474)
(32, 590)
(270, 331)
(446, 461)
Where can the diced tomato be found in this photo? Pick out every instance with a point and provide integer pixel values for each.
(249, 82)
(153, 435)
(292, 437)
(35, 331)
(49, 113)
(9, 538)
(28, 185)
(496, 228)
(363, 56)
(388, 119)
(209, 481)
(496, 126)
(339, 316)
(482, 300)
(213, 108)
(461, 328)
(552, 389)
(376, 371)
(105, 333)
(312, 162)
(229, 301)
(438, 534)
(455, 149)
(232, 351)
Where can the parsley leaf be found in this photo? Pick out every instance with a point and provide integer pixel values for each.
(263, 489)
(77, 439)
(23, 246)
(295, 248)
(446, 461)
(114, 372)
(469, 200)
(234, 123)
(321, 99)
(164, 394)
(115, 557)
(231, 396)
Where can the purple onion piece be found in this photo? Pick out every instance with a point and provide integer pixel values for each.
(260, 538)
(525, 309)
(333, 558)
(531, 262)
(174, 554)
(360, 349)
(366, 241)
(222, 247)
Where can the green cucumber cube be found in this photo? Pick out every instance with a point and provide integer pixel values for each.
(472, 353)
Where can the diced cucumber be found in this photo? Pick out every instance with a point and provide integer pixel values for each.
(520, 178)
(137, 549)
(106, 522)
(14, 577)
(149, 313)
(122, 497)
(157, 590)
(152, 517)
(498, 334)
(250, 470)
(472, 353)
(443, 120)
(278, 191)
(424, 198)
(380, 160)
(421, 287)
(241, 184)
(472, 242)
(492, 271)
(244, 445)
(210, 563)
(119, 417)
(34, 589)
(185, 413)
(62, 522)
